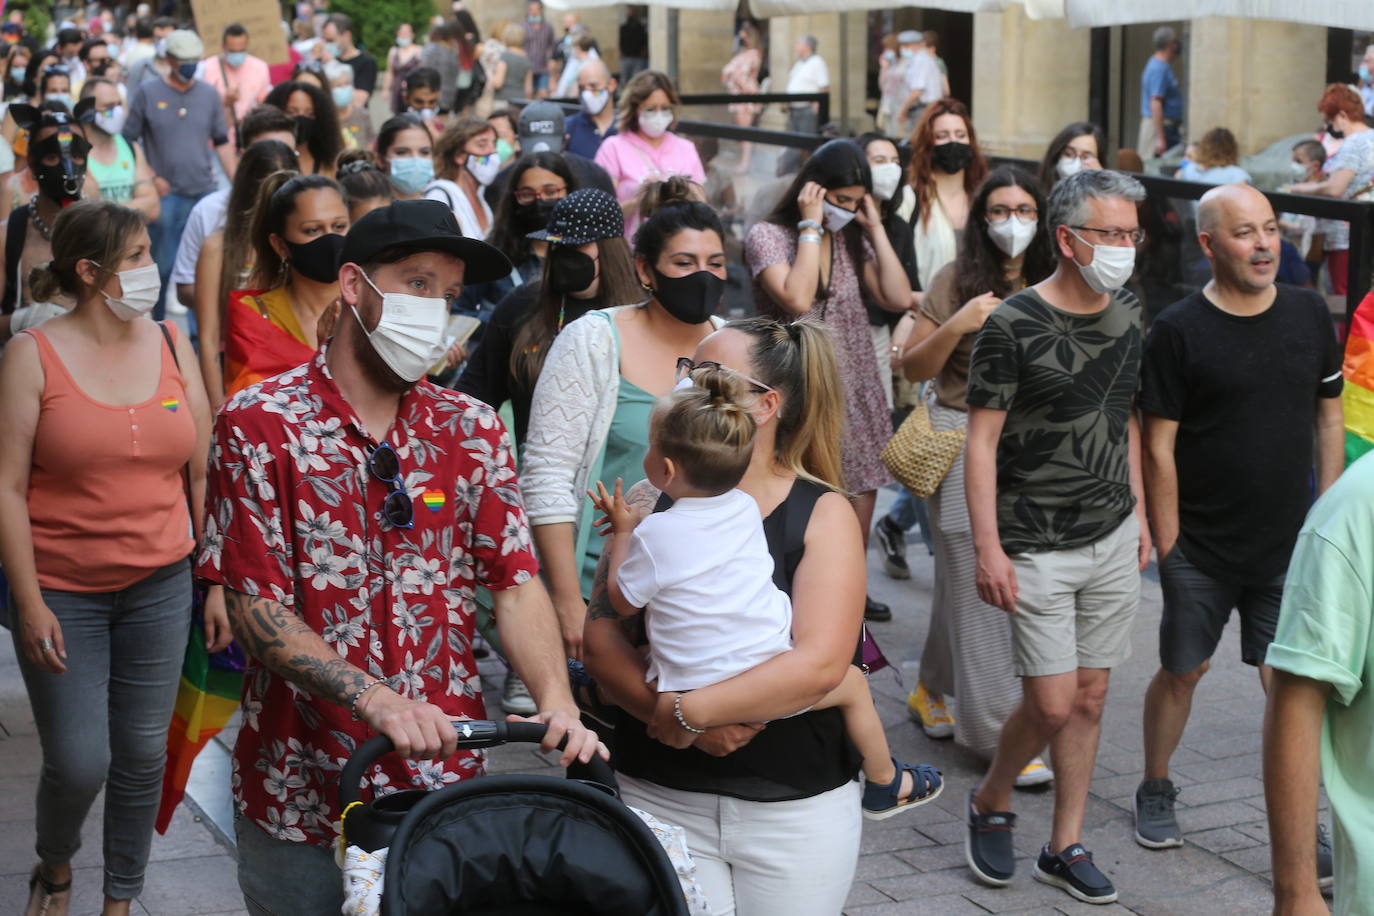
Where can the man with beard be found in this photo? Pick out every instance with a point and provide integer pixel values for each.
(1236, 379)
(354, 508)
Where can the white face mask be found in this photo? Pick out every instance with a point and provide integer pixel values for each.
(885, 180)
(595, 102)
(142, 288)
(112, 120)
(484, 168)
(425, 114)
(409, 337)
(1068, 165)
(655, 123)
(1013, 235)
(1110, 268)
(836, 218)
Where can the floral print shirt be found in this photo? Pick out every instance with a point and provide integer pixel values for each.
(295, 516)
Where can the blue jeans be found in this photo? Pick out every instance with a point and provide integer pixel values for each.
(166, 232)
(540, 81)
(105, 720)
(908, 512)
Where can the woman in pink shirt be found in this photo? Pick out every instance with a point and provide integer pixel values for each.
(645, 149)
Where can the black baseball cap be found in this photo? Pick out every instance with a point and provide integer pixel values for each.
(422, 225)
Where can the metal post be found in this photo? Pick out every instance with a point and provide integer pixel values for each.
(672, 47)
(1099, 79)
(1361, 252)
(844, 77)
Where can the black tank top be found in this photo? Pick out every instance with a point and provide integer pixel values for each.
(792, 758)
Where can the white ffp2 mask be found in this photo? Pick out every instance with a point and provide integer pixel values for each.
(142, 288)
(409, 335)
(885, 179)
(1012, 235)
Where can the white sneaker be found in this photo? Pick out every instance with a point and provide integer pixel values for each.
(1036, 773)
(515, 697)
(174, 307)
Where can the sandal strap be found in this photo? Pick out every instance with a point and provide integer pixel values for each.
(49, 888)
(925, 778)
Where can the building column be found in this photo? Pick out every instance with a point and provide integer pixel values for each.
(1030, 79)
(1259, 78)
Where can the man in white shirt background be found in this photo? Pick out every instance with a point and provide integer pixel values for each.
(808, 74)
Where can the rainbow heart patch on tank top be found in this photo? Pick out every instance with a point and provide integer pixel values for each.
(171, 404)
(433, 500)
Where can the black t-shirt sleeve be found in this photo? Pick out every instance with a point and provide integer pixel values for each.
(1332, 380)
(1163, 387)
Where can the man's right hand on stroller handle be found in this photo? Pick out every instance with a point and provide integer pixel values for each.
(418, 730)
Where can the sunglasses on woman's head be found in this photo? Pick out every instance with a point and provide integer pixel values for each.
(397, 508)
(685, 367)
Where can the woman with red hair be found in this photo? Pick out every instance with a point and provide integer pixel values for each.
(946, 168)
(1349, 173)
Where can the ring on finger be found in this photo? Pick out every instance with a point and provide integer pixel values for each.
(46, 644)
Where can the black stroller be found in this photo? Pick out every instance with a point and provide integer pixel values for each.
(513, 845)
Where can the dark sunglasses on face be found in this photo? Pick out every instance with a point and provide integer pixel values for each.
(397, 508)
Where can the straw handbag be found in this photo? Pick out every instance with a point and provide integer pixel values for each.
(920, 456)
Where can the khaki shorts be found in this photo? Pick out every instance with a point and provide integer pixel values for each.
(1074, 607)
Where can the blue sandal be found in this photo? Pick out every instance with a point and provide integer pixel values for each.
(883, 801)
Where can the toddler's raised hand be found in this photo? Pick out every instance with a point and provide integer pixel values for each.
(618, 513)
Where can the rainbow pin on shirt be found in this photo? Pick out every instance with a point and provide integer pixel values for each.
(171, 404)
(433, 500)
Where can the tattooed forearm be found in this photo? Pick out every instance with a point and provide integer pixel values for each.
(278, 638)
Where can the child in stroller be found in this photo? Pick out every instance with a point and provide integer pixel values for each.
(703, 575)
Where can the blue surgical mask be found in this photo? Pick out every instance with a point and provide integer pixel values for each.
(343, 96)
(331, 48)
(908, 53)
(403, 42)
(236, 58)
(64, 97)
(17, 74)
(187, 71)
(412, 173)
(1364, 73)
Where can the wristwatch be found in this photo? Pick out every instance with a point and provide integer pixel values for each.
(808, 224)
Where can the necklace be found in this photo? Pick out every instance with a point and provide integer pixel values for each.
(42, 227)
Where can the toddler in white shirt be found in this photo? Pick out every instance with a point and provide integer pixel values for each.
(702, 573)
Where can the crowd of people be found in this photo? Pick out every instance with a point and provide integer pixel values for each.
(665, 536)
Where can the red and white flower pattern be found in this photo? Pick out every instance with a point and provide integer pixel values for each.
(294, 515)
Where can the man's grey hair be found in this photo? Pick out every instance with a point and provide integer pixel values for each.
(810, 42)
(1164, 36)
(334, 70)
(1069, 200)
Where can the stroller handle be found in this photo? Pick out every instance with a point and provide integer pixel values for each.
(472, 734)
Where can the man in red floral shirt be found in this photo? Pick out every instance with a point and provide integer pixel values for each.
(354, 509)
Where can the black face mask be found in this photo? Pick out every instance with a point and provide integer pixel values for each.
(533, 216)
(100, 69)
(1331, 131)
(951, 157)
(318, 259)
(570, 270)
(690, 299)
(305, 128)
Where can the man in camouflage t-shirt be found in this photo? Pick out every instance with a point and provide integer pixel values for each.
(1054, 493)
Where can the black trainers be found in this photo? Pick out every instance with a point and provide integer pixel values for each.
(988, 847)
(1074, 871)
(876, 610)
(1156, 825)
(891, 541)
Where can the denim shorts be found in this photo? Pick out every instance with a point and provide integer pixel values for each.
(1197, 606)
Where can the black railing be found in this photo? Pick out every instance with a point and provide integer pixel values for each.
(820, 99)
(726, 131)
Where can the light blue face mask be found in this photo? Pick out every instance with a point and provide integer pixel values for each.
(332, 49)
(236, 58)
(411, 174)
(343, 96)
(64, 97)
(1364, 73)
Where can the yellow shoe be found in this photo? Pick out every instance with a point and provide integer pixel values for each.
(1036, 773)
(928, 711)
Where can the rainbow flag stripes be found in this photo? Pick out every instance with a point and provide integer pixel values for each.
(1357, 397)
(433, 500)
(171, 404)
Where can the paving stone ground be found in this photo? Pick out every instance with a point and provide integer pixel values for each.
(910, 865)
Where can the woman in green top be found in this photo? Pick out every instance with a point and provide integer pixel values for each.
(116, 164)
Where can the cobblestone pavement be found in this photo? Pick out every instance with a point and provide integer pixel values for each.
(912, 864)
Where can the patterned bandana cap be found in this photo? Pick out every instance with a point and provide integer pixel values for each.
(588, 215)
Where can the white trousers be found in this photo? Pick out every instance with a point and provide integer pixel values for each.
(763, 858)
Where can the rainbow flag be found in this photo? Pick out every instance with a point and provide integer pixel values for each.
(254, 347)
(171, 404)
(207, 697)
(1357, 398)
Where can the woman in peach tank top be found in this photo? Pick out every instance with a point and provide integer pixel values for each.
(102, 412)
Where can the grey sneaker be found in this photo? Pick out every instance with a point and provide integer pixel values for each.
(1325, 874)
(515, 697)
(1156, 827)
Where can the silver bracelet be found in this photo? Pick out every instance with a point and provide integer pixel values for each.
(808, 224)
(809, 237)
(677, 711)
(358, 695)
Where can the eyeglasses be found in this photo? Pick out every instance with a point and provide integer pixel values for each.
(386, 467)
(547, 192)
(1071, 153)
(1116, 236)
(685, 367)
(999, 213)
